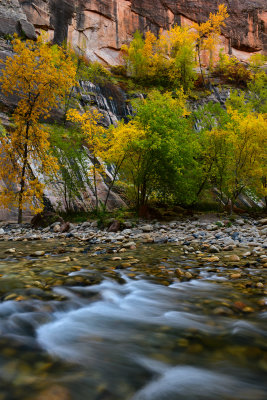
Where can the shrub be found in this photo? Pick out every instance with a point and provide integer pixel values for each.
(231, 70)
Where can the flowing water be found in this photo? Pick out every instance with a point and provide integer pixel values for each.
(84, 326)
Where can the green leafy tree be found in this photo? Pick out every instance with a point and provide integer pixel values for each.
(157, 153)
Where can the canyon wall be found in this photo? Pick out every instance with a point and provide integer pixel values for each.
(100, 27)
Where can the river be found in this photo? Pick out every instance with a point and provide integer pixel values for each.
(81, 324)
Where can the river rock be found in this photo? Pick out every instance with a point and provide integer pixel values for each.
(211, 259)
(127, 225)
(214, 249)
(233, 258)
(2, 232)
(188, 275)
(211, 227)
(65, 227)
(11, 251)
(38, 253)
(235, 276)
(115, 226)
(57, 228)
(179, 272)
(129, 245)
(147, 228)
(222, 311)
(55, 392)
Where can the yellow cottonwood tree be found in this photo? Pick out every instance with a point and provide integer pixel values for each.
(208, 32)
(123, 150)
(237, 154)
(39, 75)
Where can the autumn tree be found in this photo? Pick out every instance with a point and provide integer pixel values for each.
(39, 75)
(234, 148)
(166, 61)
(139, 54)
(154, 153)
(207, 33)
(96, 140)
(178, 46)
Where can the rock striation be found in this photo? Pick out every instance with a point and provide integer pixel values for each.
(100, 27)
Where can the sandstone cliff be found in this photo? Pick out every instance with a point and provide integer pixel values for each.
(100, 27)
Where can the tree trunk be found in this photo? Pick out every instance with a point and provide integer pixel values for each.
(113, 181)
(23, 172)
(95, 187)
(198, 52)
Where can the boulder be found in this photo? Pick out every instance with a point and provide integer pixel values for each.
(44, 219)
(115, 226)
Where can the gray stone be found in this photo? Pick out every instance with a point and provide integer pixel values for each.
(211, 227)
(147, 228)
(127, 225)
(214, 249)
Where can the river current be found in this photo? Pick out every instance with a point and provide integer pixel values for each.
(137, 337)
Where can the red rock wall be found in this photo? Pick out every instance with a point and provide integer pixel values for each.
(100, 27)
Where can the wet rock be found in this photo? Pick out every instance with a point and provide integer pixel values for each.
(129, 245)
(179, 272)
(2, 232)
(233, 258)
(214, 259)
(235, 276)
(248, 309)
(214, 249)
(11, 251)
(55, 392)
(222, 311)
(125, 265)
(239, 305)
(160, 240)
(188, 275)
(38, 253)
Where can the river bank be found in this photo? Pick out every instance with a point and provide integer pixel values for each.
(46, 258)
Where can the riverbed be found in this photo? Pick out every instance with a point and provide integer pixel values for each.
(81, 320)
